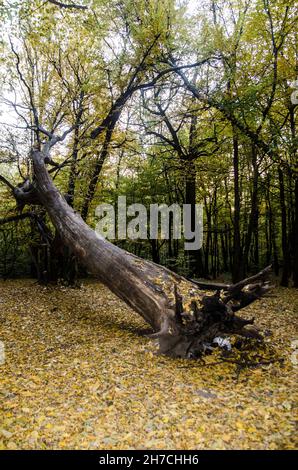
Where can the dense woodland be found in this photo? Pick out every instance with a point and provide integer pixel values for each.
(163, 102)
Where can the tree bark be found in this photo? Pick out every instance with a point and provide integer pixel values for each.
(284, 231)
(193, 257)
(295, 241)
(95, 174)
(75, 152)
(295, 172)
(237, 251)
(253, 216)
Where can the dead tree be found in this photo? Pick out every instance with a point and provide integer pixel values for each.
(184, 317)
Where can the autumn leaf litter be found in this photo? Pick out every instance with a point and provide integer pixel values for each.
(79, 374)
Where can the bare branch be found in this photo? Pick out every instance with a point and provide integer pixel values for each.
(68, 5)
(8, 183)
(117, 107)
(15, 218)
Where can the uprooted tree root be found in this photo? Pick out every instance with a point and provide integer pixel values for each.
(199, 318)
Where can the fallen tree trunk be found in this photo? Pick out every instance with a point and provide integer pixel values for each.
(183, 317)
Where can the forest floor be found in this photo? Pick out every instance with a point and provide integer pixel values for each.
(78, 374)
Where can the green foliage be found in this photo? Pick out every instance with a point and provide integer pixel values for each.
(77, 63)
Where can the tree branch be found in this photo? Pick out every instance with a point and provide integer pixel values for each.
(68, 5)
(117, 107)
(8, 183)
(226, 111)
(15, 218)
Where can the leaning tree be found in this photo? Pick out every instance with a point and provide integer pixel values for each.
(184, 318)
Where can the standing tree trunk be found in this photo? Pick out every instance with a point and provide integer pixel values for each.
(253, 216)
(237, 251)
(284, 233)
(295, 171)
(194, 257)
(95, 174)
(295, 238)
